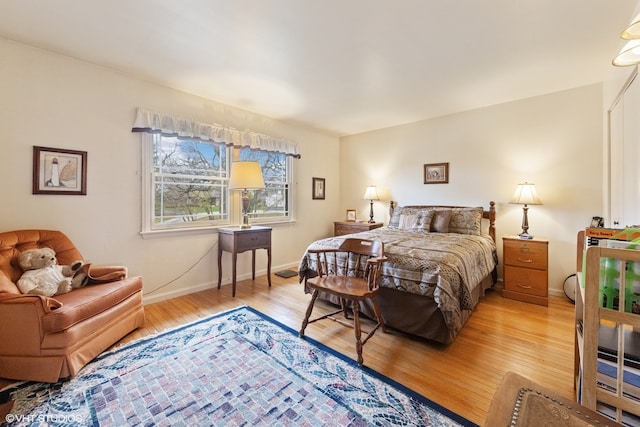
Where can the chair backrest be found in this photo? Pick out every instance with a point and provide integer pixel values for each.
(14, 242)
(372, 248)
(354, 258)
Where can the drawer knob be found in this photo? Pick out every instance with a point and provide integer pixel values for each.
(525, 260)
(523, 286)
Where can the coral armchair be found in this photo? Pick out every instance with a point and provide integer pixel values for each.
(47, 339)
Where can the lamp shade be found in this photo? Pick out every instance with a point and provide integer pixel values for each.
(526, 195)
(246, 175)
(371, 193)
(633, 30)
(629, 54)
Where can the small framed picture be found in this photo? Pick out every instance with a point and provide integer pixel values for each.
(59, 171)
(318, 188)
(436, 173)
(351, 215)
(597, 222)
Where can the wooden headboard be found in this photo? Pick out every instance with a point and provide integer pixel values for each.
(486, 214)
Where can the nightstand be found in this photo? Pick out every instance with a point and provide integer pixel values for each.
(526, 276)
(237, 240)
(341, 228)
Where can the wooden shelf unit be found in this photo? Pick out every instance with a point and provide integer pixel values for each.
(591, 319)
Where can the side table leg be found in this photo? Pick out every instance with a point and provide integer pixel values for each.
(219, 266)
(253, 264)
(233, 283)
(269, 265)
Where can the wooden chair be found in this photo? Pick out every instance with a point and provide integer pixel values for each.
(350, 273)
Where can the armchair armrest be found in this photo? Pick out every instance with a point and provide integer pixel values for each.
(48, 304)
(21, 318)
(105, 273)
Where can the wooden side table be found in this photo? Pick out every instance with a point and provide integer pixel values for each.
(237, 240)
(526, 276)
(341, 228)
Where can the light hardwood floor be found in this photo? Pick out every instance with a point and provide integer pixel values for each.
(502, 335)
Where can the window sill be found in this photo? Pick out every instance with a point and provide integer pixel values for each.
(152, 234)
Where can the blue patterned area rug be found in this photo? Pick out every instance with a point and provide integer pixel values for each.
(237, 368)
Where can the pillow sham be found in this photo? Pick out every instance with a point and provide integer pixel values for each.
(466, 221)
(422, 223)
(411, 219)
(394, 221)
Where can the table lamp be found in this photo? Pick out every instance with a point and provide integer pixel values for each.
(245, 176)
(525, 195)
(371, 194)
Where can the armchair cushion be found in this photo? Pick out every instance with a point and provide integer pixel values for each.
(84, 303)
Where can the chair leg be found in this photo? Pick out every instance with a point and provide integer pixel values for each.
(378, 313)
(305, 322)
(355, 305)
(345, 310)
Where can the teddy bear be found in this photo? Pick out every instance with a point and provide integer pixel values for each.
(43, 276)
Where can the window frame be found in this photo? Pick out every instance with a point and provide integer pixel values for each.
(234, 217)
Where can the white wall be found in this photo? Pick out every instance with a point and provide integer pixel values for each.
(554, 141)
(55, 101)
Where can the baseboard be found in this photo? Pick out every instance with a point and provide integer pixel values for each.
(162, 296)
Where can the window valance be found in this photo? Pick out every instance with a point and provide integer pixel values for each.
(168, 125)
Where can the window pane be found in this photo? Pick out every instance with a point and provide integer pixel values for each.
(189, 182)
(173, 155)
(185, 200)
(273, 201)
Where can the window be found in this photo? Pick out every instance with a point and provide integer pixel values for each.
(274, 201)
(185, 184)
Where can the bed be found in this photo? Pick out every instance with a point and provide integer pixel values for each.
(441, 260)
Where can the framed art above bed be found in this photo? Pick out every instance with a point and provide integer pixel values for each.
(436, 173)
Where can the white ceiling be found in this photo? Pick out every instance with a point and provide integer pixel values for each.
(344, 66)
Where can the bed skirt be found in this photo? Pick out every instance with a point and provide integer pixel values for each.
(415, 314)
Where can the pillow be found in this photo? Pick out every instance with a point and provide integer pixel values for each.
(407, 221)
(394, 221)
(440, 221)
(466, 221)
(411, 219)
(422, 223)
(419, 222)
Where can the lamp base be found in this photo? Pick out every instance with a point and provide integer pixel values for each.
(526, 236)
(371, 220)
(245, 221)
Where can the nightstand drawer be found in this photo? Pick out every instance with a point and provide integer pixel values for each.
(525, 254)
(252, 240)
(526, 281)
(340, 228)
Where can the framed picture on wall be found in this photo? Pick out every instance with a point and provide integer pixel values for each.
(436, 173)
(318, 188)
(59, 171)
